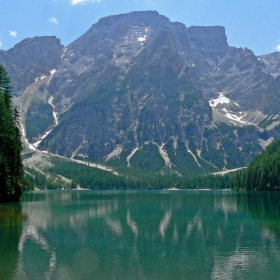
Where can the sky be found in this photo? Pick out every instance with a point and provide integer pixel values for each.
(249, 23)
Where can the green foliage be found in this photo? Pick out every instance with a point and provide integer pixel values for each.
(39, 117)
(225, 129)
(245, 130)
(206, 182)
(93, 178)
(233, 154)
(120, 163)
(263, 173)
(249, 148)
(182, 159)
(214, 156)
(88, 177)
(11, 169)
(147, 159)
(38, 180)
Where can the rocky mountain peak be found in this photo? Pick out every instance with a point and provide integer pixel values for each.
(209, 38)
(131, 18)
(31, 59)
(272, 63)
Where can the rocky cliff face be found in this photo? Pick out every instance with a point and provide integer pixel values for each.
(272, 63)
(30, 59)
(139, 92)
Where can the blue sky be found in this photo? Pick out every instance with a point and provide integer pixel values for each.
(249, 23)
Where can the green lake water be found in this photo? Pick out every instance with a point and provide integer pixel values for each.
(141, 235)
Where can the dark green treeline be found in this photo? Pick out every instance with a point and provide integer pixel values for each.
(11, 168)
(91, 178)
(263, 173)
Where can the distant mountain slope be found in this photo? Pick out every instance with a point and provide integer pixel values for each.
(141, 93)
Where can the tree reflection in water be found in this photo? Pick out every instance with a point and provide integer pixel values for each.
(265, 208)
(11, 220)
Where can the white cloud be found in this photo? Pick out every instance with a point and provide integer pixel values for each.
(75, 2)
(13, 33)
(0, 44)
(278, 48)
(53, 20)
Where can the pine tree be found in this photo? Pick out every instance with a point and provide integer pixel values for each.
(11, 168)
(263, 172)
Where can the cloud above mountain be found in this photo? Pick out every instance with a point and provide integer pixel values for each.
(76, 2)
(53, 20)
(13, 33)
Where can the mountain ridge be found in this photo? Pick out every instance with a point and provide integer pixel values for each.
(137, 86)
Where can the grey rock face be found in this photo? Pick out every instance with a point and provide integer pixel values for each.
(272, 63)
(31, 59)
(209, 38)
(137, 84)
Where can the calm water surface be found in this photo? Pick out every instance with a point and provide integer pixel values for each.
(141, 235)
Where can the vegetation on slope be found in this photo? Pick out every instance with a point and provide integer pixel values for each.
(11, 169)
(92, 178)
(263, 173)
(38, 119)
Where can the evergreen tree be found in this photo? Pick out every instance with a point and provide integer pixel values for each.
(263, 173)
(11, 168)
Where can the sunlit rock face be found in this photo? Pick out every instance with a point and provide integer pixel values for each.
(140, 92)
(30, 59)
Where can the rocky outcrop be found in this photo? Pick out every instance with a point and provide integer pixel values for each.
(272, 63)
(31, 59)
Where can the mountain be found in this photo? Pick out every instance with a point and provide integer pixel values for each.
(30, 59)
(140, 93)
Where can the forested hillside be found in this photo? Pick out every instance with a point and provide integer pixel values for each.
(11, 169)
(263, 173)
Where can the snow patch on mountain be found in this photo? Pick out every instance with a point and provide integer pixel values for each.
(220, 100)
(41, 78)
(53, 72)
(50, 101)
(64, 52)
(142, 38)
(234, 117)
(228, 111)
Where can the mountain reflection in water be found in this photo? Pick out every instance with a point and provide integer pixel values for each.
(147, 235)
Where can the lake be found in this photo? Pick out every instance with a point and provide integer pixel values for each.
(141, 235)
